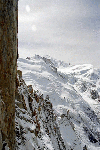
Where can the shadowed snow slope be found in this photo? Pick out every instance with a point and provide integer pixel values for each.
(72, 118)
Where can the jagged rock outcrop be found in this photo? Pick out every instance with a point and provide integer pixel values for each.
(35, 120)
(8, 65)
(94, 94)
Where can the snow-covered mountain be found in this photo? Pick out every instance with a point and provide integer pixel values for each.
(61, 110)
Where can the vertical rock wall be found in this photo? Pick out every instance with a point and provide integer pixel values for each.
(8, 64)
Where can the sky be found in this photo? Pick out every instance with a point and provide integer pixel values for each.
(67, 30)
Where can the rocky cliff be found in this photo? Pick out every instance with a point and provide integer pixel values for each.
(8, 65)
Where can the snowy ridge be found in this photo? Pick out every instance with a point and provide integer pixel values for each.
(74, 94)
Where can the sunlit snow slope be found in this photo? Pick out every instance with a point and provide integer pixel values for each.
(74, 93)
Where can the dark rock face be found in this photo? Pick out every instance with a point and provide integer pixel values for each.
(92, 138)
(94, 94)
(85, 148)
(8, 65)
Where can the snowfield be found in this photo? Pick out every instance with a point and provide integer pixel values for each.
(74, 91)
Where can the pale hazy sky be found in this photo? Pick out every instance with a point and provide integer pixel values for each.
(68, 30)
